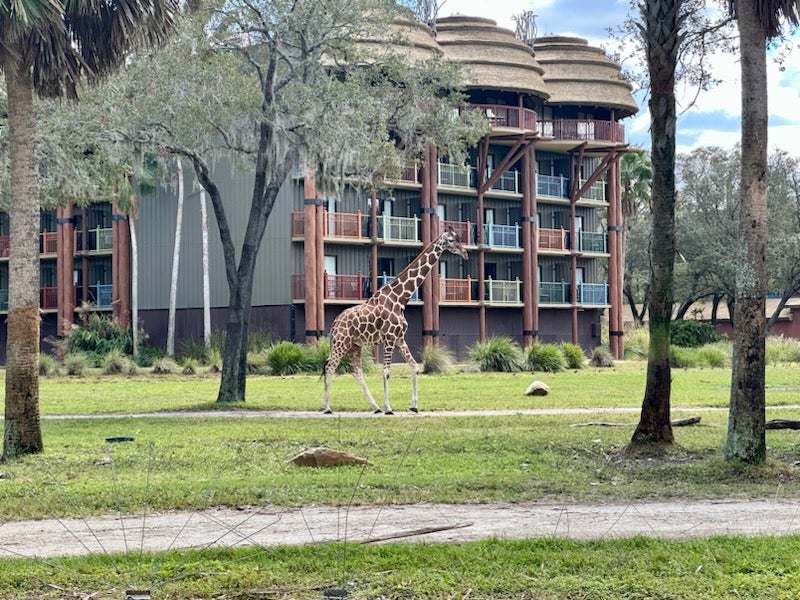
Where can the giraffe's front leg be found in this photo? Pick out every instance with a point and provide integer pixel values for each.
(387, 363)
(409, 358)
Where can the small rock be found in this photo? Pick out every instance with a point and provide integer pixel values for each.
(106, 460)
(325, 457)
(537, 388)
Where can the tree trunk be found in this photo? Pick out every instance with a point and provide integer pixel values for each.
(22, 434)
(662, 42)
(134, 283)
(746, 440)
(176, 260)
(206, 279)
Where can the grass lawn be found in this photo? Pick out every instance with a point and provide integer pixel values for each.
(191, 462)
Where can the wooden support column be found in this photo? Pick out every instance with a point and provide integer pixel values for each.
(120, 267)
(615, 295)
(311, 291)
(64, 265)
(528, 249)
(429, 330)
(319, 221)
(614, 325)
(435, 232)
(373, 243)
(574, 269)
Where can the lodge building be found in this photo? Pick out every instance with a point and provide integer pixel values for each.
(538, 208)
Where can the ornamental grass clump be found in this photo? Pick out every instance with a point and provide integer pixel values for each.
(547, 358)
(288, 358)
(499, 354)
(437, 360)
(573, 355)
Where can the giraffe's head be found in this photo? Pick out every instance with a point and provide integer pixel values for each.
(450, 241)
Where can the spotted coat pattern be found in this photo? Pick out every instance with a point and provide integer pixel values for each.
(381, 319)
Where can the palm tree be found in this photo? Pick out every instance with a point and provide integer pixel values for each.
(759, 21)
(661, 27)
(48, 48)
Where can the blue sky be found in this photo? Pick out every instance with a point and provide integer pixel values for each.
(713, 120)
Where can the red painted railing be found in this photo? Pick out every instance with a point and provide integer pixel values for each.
(552, 239)
(514, 117)
(583, 129)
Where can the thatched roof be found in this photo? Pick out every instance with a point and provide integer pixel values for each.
(578, 74)
(408, 36)
(491, 55)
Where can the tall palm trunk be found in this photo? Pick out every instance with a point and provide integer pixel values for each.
(22, 434)
(176, 261)
(746, 438)
(662, 25)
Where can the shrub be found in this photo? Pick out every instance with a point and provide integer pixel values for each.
(781, 349)
(76, 364)
(545, 357)
(116, 363)
(683, 358)
(437, 359)
(712, 356)
(258, 364)
(165, 366)
(574, 355)
(47, 365)
(147, 355)
(601, 357)
(97, 335)
(288, 358)
(636, 341)
(214, 360)
(692, 334)
(189, 366)
(500, 354)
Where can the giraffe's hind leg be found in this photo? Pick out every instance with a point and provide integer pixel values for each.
(409, 358)
(329, 371)
(358, 373)
(388, 350)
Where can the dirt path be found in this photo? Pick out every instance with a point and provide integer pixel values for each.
(268, 526)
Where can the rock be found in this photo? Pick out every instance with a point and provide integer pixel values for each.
(537, 388)
(325, 457)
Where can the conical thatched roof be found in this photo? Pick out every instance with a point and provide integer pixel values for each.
(407, 36)
(492, 56)
(579, 74)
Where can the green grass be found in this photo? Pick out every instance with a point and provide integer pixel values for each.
(619, 386)
(197, 461)
(544, 569)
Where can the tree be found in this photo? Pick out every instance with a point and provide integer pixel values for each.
(758, 21)
(256, 83)
(661, 26)
(48, 48)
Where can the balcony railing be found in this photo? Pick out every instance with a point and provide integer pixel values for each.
(4, 246)
(554, 186)
(507, 116)
(593, 293)
(592, 241)
(596, 192)
(583, 130)
(552, 239)
(458, 176)
(508, 182)
(4, 300)
(48, 242)
(335, 287)
(553, 292)
(502, 236)
(399, 229)
(409, 174)
(457, 290)
(99, 239)
(503, 292)
(346, 225)
(48, 297)
(463, 229)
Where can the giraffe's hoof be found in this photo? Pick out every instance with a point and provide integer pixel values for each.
(377, 411)
(327, 412)
(414, 409)
(388, 412)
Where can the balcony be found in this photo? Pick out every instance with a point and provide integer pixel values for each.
(583, 130)
(48, 297)
(99, 295)
(553, 292)
(398, 229)
(501, 116)
(503, 292)
(97, 240)
(458, 290)
(409, 175)
(4, 246)
(463, 229)
(335, 287)
(593, 293)
(48, 243)
(501, 236)
(554, 186)
(592, 241)
(552, 239)
(465, 177)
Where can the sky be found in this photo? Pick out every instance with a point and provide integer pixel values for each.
(714, 118)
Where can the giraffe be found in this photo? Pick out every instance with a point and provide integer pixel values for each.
(381, 319)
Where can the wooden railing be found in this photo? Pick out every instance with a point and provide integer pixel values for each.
(552, 239)
(48, 243)
(583, 129)
(514, 117)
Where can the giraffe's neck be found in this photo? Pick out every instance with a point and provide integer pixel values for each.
(402, 287)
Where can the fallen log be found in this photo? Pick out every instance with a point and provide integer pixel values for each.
(782, 424)
(414, 532)
(675, 423)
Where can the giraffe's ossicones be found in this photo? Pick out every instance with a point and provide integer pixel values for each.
(381, 318)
